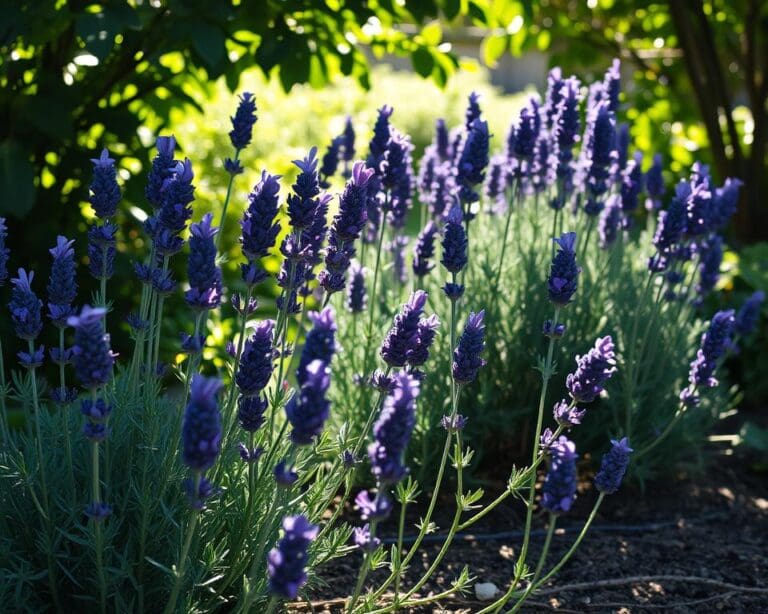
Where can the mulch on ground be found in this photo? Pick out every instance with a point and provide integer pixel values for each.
(692, 543)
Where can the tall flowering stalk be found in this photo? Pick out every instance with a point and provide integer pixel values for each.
(200, 446)
(62, 291)
(26, 314)
(105, 197)
(93, 361)
(240, 137)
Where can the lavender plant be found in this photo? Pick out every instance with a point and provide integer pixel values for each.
(226, 490)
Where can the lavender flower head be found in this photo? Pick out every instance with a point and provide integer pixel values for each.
(592, 371)
(204, 275)
(424, 250)
(654, 184)
(749, 314)
(426, 333)
(466, 357)
(62, 286)
(392, 430)
(567, 414)
(286, 562)
(201, 428)
(714, 343)
(259, 229)
(473, 161)
(92, 357)
(308, 409)
(25, 307)
(610, 221)
(243, 121)
(303, 201)
(564, 272)
(613, 466)
(162, 165)
(454, 253)
(256, 360)
(473, 111)
(357, 297)
(376, 508)
(404, 334)
(362, 538)
(320, 342)
(559, 491)
(105, 192)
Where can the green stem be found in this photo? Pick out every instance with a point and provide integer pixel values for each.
(400, 532)
(226, 203)
(52, 584)
(540, 564)
(180, 568)
(363, 571)
(65, 409)
(545, 377)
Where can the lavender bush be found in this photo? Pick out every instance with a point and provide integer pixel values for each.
(219, 491)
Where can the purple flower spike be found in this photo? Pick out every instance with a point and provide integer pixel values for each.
(404, 334)
(567, 414)
(308, 409)
(362, 538)
(243, 121)
(377, 508)
(614, 466)
(201, 429)
(466, 357)
(92, 357)
(749, 313)
(559, 491)
(105, 192)
(256, 361)
(392, 431)
(204, 275)
(286, 562)
(592, 371)
(564, 272)
(25, 307)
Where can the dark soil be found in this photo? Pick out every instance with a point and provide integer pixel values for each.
(708, 528)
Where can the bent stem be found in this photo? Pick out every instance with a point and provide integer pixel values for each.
(425, 523)
(540, 564)
(180, 568)
(363, 569)
(546, 375)
(226, 203)
(563, 561)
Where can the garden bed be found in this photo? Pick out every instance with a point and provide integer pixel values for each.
(708, 528)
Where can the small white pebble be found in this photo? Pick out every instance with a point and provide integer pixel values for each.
(485, 591)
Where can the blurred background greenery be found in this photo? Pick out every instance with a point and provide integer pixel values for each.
(76, 76)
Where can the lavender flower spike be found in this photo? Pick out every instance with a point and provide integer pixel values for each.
(466, 357)
(92, 357)
(105, 192)
(308, 409)
(613, 466)
(424, 250)
(256, 361)
(455, 243)
(559, 489)
(592, 371)
(286, 562)
(204, 275)
(242, 121)
(749, 313)
(564, 272)
(404, 335)
(392, 431)
(25, 306)
(201, 429)
(62, 287)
